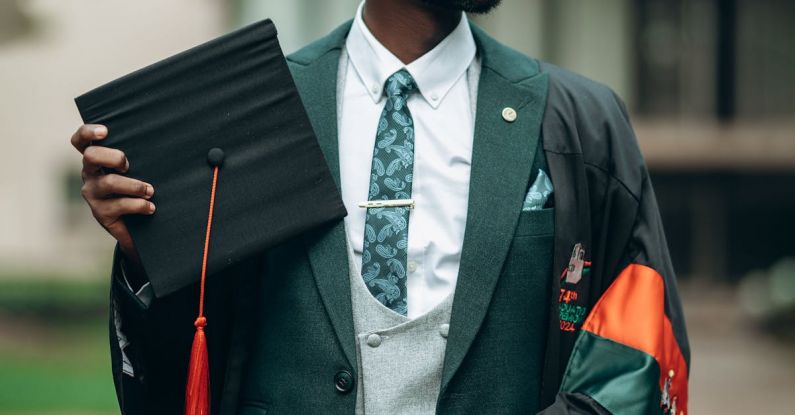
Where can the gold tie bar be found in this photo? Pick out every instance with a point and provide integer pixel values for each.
(409, 203)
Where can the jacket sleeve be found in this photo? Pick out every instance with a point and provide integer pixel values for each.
(632, 355)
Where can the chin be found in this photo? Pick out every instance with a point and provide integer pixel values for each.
(469, 6)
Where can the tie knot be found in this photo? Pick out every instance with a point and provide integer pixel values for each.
(400, 83)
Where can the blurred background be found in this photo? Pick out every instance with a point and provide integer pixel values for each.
(710, 85)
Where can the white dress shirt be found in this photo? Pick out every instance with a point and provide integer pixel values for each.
(444, 126)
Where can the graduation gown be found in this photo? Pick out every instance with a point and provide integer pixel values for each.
(598, 329)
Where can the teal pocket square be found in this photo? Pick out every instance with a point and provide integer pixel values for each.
(539, 193)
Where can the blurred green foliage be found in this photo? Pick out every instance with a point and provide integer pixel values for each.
(60, 298)
(54, 356)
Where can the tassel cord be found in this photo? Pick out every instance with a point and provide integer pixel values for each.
(207, 241)
(197, 390)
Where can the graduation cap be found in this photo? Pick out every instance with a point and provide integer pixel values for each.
(220, 132)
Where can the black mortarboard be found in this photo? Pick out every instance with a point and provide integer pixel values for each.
(220, 132)
(234, 93)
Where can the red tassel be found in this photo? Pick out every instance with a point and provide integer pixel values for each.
(197, 393)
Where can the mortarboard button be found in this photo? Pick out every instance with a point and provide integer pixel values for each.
(215, 157)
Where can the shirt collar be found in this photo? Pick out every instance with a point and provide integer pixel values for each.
(435, 72)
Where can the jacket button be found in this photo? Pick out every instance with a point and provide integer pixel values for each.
(343, 381)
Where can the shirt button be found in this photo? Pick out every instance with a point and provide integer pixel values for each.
(374, 89)
(434, 97)
(412, 266)
(444, 329)
(343, 381)
(373, 340)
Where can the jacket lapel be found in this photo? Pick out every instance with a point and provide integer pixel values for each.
(315, 72)
(502, 159)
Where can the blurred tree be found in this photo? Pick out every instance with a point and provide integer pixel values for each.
(14, 22)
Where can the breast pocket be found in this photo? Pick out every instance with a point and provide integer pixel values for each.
(536, 223)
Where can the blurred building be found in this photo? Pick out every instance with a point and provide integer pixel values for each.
(50, 52)
(709, 83)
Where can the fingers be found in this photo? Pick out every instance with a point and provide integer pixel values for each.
(95, 158)
(109, 211)
(111, 196)
(87, 133)
(109, 185)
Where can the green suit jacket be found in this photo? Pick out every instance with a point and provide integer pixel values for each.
(280, 333)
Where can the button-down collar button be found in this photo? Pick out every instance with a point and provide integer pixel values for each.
(412, 266)
(374, 89)
(343, 381)
(509, 114)
(444, 330)
(434, 97)
(373, 340)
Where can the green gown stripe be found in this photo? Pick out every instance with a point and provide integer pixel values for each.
(622, 379)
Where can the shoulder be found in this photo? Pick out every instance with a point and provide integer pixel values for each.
(320, 47)
(570, 96)
(581, 116)
(586, 117)
(572, 91)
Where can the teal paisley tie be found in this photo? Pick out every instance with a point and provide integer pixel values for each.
(386, 229)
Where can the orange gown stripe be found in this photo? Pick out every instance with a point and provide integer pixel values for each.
(632, 312)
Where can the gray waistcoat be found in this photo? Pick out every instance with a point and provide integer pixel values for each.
(400, 360)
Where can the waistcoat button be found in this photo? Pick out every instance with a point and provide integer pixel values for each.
(444, 329)
(373, 340)
(343, 381)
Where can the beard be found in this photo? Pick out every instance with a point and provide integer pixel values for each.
(469, 6)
